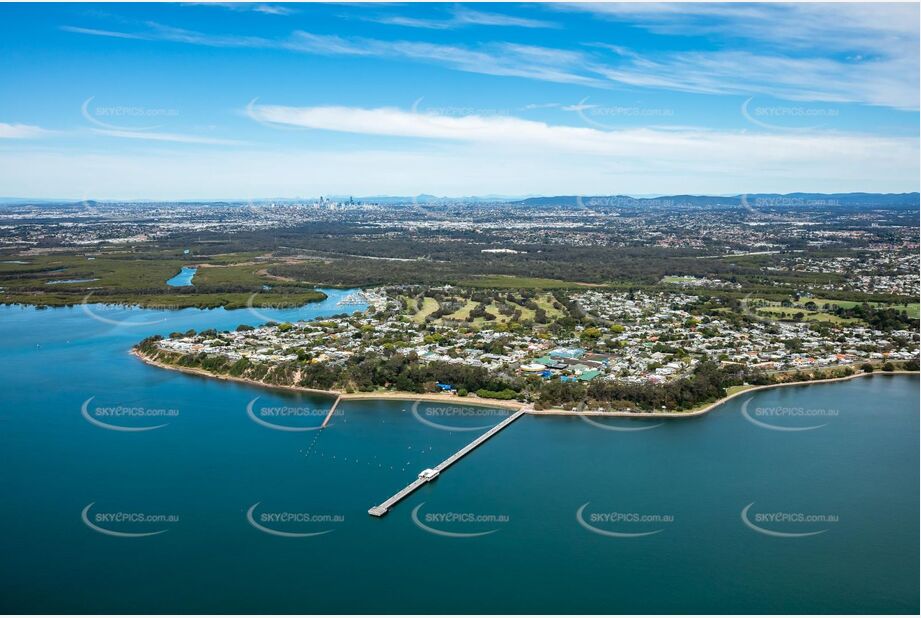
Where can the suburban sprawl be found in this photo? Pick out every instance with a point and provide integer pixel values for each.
(606, 350)
(609, 302)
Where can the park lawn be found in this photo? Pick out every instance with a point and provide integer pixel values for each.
(810, 316)
(464, 312)
(491, 308)
(411, 305)
(911, 308)
(732, 390)
(526, 314)
(501, 318)
(545, 302)
(429, 306)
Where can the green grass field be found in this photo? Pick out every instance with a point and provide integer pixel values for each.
(911, 308)
(545, 302)
(429, 306)
(775, 309)
(464, 312)
(809, 316)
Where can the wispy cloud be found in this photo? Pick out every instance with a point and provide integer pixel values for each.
(878, 66)
(819, 26)
(674, 147)
(840, 52)
(22, 131)
(503, 59)
(472, 154)
(251, 7)
(461, 17)
(157, 136)
(107, 33)
(875, 82)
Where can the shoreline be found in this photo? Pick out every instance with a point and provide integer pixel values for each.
(505, 404)
(384, 395)
(711, 406)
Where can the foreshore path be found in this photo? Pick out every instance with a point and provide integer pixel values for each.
(381, 509)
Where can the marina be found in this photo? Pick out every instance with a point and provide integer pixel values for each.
(352, 300)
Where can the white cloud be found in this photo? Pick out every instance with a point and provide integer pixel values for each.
(874, 82)
(674, 143)
(469, 16)
(22, 131)
(462, 17)
(536, 157)
(841, 52)
(167, 137)
(252, 7)
(882, 68)
(503, 59)
(817, 25)
(106, 33)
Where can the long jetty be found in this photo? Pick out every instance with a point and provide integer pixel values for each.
(329, 414)
(381, 509)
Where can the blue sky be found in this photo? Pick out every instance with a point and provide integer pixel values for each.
(179, 101)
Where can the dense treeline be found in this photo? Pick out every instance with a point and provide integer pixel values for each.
(707, 383)
(880, 318)
(406, 373)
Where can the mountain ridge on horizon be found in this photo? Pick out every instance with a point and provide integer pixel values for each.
(830, 199)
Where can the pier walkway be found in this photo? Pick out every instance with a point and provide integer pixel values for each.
(329, 414)
(381, 509)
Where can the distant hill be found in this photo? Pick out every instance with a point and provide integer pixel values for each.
(775, 199)
(566, 201)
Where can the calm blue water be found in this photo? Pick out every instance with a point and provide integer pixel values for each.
(211, 463)
(183, 278)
